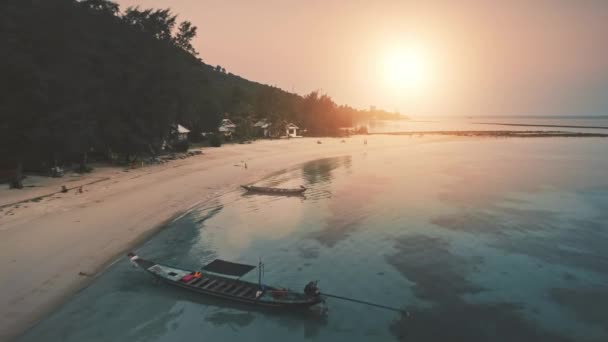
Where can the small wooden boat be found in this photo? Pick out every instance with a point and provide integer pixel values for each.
(215, 280)
(274, 191)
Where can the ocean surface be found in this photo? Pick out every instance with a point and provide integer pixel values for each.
(478, 239)
(587, 124)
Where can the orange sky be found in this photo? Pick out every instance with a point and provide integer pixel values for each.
(516, 57)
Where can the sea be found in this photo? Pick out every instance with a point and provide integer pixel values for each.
(585, 124)
(477, 239)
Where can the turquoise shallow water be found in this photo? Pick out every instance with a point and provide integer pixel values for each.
(493, 239)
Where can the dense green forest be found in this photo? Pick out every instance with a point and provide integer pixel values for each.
(84, 77)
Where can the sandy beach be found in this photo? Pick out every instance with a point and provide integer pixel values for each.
(119, 209)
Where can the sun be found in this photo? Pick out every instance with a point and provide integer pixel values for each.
(407, 69)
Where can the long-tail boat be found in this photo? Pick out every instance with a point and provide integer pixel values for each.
(275, 191)
(221, 279)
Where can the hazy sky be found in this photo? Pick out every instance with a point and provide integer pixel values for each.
(465, 57)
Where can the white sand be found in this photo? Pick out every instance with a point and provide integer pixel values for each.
(44, 245)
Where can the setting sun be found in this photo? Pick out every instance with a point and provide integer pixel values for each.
(407, 69)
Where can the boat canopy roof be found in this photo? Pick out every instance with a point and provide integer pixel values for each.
(228, 268)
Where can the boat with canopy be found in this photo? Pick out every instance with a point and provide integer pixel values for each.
(221, 279)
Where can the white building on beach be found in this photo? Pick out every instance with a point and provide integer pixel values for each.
(291, 131)
(182, 132)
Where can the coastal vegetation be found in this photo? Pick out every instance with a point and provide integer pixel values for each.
(84, 79)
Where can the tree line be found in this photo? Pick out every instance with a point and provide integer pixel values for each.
(83, 77)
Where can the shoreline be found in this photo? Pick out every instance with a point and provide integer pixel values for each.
(41, 197)
(54, 247)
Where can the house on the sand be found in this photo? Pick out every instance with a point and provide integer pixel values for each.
(182, 132)
(291, 131)
(227, 128)
(262, 128)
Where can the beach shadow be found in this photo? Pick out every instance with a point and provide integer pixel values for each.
(320, 170)
(442, 279)
(348, 209)
(458, 321)
(541, 234)
(588, 304)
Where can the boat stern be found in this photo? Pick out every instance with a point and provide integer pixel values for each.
(312, 289)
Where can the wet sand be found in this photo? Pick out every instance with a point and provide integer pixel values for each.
(54, 246)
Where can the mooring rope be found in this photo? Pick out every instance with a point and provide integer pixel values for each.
(366, 303)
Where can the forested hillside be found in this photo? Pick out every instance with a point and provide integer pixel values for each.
(86, 76)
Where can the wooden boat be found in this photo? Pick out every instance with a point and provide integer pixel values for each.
(215, 280)
(274, 191)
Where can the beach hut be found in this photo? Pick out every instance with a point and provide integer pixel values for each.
(177, 133)
(262, 128)
(227, 128)
(291, 131)
(182, 132)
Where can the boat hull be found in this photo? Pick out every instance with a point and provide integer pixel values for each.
(245, 301)
(273, 191)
